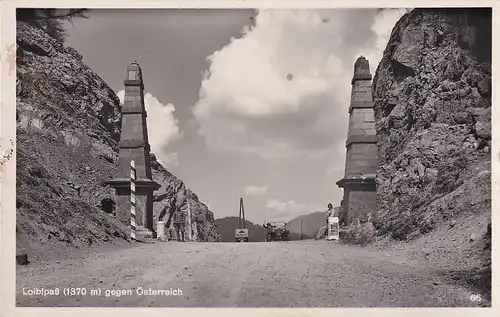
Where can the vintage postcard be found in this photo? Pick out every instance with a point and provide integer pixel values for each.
(248, 155)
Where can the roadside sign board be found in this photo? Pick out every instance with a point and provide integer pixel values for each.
(241, 233)
(333, 228)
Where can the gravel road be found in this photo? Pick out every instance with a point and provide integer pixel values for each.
(277, 274)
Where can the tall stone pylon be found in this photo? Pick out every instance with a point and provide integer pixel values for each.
(361, 158)
(134, 145)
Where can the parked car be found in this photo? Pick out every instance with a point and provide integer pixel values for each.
(276, 231)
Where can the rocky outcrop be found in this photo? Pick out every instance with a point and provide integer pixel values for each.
(362, 234)
(68, 125)
(432, 94)
(202, 224)
(68, 128)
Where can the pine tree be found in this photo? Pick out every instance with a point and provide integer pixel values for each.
(51, 20)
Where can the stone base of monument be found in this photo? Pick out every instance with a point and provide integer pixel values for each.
(163, 238)
(144, 235)
(160, 231)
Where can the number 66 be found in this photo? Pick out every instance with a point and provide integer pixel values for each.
(475, 297)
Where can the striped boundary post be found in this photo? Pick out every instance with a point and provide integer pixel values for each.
(132, 200)
(190, 225)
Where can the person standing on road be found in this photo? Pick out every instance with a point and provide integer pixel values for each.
(331, 212)
(179, 224)
(170, 210)
(180, 216)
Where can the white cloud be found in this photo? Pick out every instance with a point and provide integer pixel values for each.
(276, 210)
(284, 206)
(382, 26)
(252, 190)
(335, 166)
(163, 127)
(246, 102)
(170, 159)
(335, 169)
(209, 206)
(121, 96)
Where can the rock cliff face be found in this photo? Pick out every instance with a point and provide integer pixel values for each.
(68, 128)
(432, 94)
(203, 227)
(68, 125)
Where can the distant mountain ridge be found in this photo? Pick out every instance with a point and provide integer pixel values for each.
(311, 223)
(256, 233)
(228, 225)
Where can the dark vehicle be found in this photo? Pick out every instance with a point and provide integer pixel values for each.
(276, 231)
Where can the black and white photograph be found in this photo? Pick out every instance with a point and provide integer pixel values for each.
(253, 157)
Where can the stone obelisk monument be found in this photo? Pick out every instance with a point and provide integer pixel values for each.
(134, 145)
(361, 159)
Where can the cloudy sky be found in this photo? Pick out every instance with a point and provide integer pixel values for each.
(243, 103)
